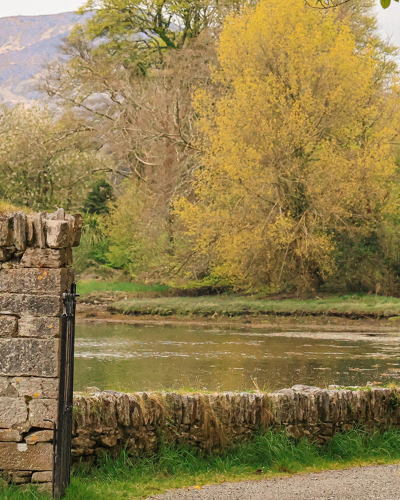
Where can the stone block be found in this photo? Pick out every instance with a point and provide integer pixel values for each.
(78, 225)
(29, 357)
(42, 477)
(13, 411)
(39, 437)
(39, 327)
(36, 388)
(36, 281)
(6, 226)
(21, 456)
(30, 305)
(30, 229)
(6, 389)
(18, 476)
(8, 325)
(41, 409)
(108, 441)
(19, 231)
(6, 253)
(35, 230)
(59, 214)
(58, 234)
(10, 435)
(47, 257)
(4, 384)
(71, 231)
(12, 263)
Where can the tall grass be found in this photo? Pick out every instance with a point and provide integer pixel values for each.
(272, 453)
(6, 207)
(90, 286)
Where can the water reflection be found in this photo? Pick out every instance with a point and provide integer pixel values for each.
(141, 357)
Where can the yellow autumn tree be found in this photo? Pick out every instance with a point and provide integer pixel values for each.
(299, 147)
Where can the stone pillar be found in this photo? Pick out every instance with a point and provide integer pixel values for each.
(35, 260)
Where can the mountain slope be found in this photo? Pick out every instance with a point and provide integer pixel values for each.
(27, 43)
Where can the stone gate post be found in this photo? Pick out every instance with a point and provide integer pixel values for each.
(35, 271)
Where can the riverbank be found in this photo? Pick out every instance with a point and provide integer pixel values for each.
(154, 305)
(350, 307)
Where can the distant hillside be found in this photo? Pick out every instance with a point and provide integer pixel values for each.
(27, 43)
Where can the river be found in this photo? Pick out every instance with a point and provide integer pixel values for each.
(140, 357)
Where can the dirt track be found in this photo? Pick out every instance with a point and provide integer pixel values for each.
(374, 483)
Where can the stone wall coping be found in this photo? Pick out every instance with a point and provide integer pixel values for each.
(41, 240)
(110, 421)
(296, 389)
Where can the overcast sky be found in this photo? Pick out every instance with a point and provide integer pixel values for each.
(390, 21)
(37, 7)
(389, 18)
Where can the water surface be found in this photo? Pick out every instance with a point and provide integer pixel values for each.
(129, 357)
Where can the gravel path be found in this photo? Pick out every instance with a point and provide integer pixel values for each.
(375, 483)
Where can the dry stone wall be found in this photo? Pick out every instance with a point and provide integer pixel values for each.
(35, 260)
(107, 422)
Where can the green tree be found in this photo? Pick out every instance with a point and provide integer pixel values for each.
(46, 162)
(97, 201)
(130, 76)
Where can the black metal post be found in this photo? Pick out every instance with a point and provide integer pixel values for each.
(63, 431)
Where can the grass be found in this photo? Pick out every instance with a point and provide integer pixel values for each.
(352, 306)
(272, 454)
(7, 208)
(90, 286)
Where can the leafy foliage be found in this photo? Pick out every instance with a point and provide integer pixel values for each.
(44, 162)
(300, 150)
(136, 27)
(265, 161)
(130, 76)
(98, 198)
(328, 4)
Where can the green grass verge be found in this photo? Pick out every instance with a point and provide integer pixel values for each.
(346, 306)
(90, 286)
(274, 453)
